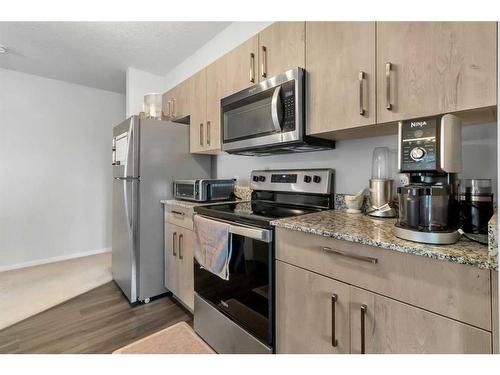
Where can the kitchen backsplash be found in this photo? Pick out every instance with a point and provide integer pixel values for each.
(352, 159)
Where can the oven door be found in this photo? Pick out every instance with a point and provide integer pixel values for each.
(266, 114)
(186, 189)
(247, 297)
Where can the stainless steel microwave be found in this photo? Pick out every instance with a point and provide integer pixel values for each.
(269, 118)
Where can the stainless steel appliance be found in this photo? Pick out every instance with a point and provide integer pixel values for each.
(430, 152)
(204, 190)
(237, 315)
(381, 185)
(476, 205)
(147, 156)
(269, 118)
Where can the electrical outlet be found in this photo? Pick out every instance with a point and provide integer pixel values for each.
(402, 179)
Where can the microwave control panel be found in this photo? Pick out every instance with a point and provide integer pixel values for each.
(419, 145)
(288, 100)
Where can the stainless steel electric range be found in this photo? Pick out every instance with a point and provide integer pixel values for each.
(237, 315)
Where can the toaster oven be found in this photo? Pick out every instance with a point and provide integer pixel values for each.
(204, 190)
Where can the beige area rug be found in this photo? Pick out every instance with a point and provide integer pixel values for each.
(177, 339)
(28, 291)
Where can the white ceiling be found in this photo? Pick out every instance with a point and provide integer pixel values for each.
(97, 54)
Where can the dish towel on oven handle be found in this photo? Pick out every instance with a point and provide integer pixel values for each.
(212, 246)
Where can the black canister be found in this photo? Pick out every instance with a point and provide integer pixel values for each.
(476, 205)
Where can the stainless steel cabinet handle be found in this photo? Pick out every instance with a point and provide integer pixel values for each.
(178, 213)
(352, 256)
(363, 313)
(208, 133)
(334, 301)
(169, 107)
(201, 134)
(361, 78)
(174, 237)
(264, 62)
(173, 107)
(181, 240)
(388, 68)
(252, 68)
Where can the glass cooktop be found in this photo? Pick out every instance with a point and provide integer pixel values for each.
(253, 212)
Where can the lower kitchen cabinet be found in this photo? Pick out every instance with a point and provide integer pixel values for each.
(383, 325)
(312, 312)
(317, 314)
(179, 263)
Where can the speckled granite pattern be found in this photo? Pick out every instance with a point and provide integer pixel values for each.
(340, 202)
(493, 235)
(379, 233)
(189, 205)
(243, 192)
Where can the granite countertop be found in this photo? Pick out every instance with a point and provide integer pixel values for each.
(379, 233)
(189, 204)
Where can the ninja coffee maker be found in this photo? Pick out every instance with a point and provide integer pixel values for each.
(430, 152)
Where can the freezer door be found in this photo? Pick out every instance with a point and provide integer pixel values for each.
(126, 148)
(124, 235)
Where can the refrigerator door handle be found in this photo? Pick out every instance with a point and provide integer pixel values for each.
(127, 208)
(127, 178)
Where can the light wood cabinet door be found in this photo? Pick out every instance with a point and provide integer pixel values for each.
(198, 116)
(171, 250)
(426, 68)
(241, 66)
(166, 105)
(394, 327)
(217, 76)
(311, 312)
(181, 100)
(341, 75)
(185, 268)
(281, 47)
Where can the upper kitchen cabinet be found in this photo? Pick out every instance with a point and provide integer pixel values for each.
(281, 47)
(241, 64)
(426, 68)
(198, 118)
(176, 102)
(217, 74)
(341, 76)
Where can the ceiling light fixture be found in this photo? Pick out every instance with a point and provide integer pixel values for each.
(3, 49)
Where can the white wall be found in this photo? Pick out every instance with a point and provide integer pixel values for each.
(138, 84)
(55, 168)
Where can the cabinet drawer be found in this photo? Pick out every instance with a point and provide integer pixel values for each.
(458, 291)
(180, 216)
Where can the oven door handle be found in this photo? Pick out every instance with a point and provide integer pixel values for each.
(259, 234)
(263, 235)
(276, 111)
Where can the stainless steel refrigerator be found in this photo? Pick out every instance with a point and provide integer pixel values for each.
(147, 156)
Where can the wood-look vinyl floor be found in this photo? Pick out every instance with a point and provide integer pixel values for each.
(99, 321)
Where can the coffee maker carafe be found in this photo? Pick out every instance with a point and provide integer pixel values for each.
(430, 152)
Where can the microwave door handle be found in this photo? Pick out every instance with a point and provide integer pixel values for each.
(276, 109)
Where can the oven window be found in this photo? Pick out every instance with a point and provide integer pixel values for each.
(185, 190)
(249, 118)
(246, 297)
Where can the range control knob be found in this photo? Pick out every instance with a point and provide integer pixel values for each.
(255, 178)
(417, 153)
(317, 179)
(307, 179)
(262, 178)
